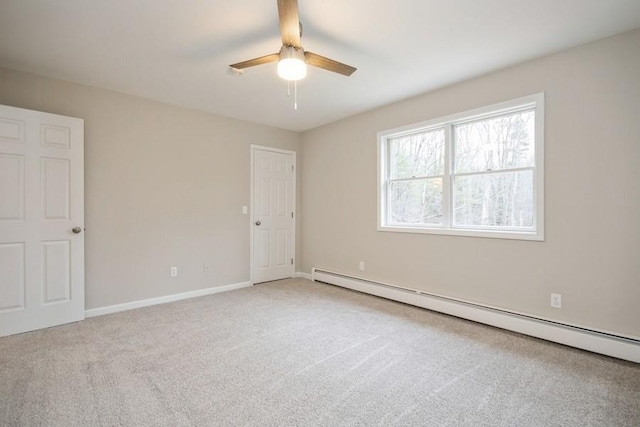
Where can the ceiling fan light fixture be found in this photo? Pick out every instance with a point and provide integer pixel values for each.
(292, 65)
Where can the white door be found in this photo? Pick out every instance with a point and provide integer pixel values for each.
(273, 222)
(41, 220)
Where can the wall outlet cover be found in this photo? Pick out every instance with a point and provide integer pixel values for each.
(556, 300)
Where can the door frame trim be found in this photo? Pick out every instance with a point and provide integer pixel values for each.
(253, 148)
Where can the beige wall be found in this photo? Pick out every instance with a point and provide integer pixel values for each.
(591, 254)
(163, 186)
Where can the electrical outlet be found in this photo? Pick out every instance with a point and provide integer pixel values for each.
(174, 271)
(361, 266)
(556, 300)
(205, 268)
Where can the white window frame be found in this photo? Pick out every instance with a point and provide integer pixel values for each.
(533, 102)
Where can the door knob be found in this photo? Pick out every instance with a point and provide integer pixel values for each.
(258, 223)
(76, 230)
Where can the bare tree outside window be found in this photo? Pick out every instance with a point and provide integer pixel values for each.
(415, 188)
(493, 173)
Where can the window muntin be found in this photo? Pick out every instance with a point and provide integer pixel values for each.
(477, 173)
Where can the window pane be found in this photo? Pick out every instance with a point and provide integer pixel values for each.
(497, 143)
(417, 155)
(416, 201)
(494, 200)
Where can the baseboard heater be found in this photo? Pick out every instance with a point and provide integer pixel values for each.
(610, 344)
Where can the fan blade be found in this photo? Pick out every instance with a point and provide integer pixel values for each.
(256, 61)
(289, 22)
(328, 64)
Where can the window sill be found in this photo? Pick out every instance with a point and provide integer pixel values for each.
(494, 234)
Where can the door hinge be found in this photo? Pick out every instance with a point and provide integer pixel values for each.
(292, 168)
(291, 214)
(291, 261)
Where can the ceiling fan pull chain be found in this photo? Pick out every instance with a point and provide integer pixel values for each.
(289, 88)
(295, 94)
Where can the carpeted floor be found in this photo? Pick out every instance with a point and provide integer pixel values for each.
(294, 352)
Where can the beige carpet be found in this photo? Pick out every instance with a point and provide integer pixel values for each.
(300, 353)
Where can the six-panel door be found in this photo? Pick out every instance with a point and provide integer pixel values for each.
(41, 202)
(273, 215)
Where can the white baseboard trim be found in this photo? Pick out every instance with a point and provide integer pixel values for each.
(575, 336)
(303, 275)
(100, 311)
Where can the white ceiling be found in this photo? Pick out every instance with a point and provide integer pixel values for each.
(178, 51)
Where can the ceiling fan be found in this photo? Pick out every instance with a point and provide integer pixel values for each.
(292, 58)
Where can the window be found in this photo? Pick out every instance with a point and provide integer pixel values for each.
(477, 173)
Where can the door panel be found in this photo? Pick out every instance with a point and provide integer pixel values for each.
(12, 280)
(41, 201)
(55, 136)
(11, 130)
(281, 246)
(273, 218)
(264, 247)
(56, 272)
(55, 175)
(11, 187)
